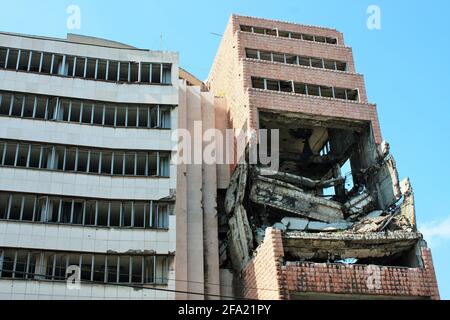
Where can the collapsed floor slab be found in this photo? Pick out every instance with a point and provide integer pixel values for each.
(344, 245)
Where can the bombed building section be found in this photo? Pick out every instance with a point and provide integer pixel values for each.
(332, 215)
(325, 213)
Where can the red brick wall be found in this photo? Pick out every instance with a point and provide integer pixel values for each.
(262, 277)
(290, 102)
(295, 47)
(266, 278)
(351, 279)
(288, 26)
(280, 71)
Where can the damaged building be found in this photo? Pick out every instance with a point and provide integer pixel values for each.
(87, 178)
(334, 220)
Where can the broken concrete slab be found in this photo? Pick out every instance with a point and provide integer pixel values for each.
(343, 245)
(321, 226)
(240, 238)
(375, 214)
(286, 197)
(280, 226)
(360, 204)
(298, 181)
(295, 224)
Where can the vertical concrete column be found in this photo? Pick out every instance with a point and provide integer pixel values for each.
(209, 194)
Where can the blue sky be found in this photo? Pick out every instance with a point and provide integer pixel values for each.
(406, 66)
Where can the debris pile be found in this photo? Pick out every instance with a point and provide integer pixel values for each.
(259, 198)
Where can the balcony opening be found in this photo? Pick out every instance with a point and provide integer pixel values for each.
(341, 66)
(75, 111)
(291, 59)
(87, 113)
(69, 67)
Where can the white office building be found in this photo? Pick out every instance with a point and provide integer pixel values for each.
(85, 172)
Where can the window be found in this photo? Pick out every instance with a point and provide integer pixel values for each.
(5, 103)
(278, 57)
(156, 73)
(252, 54)
(3, 54)
(113, 70)
(286, 86)
(326, 92)
(291, 59)
(80, 67)
(124, 71)
(35, 61)
(12, 59)
(57, 65)
(166, 74)
(46, 63)
(91, 68)
(316, 63)
(304, 61)
(272, 85)
(24, 60)
(258, 83)
(101, 69)
(264, 55)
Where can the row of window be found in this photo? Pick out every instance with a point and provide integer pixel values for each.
(97, 268)
(85, 112)
(306, 89)
(97, 213)
(82, 160)
(83, 67)
(288, 34)
(297, 60)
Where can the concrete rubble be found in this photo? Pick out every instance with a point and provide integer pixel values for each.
(375, 219)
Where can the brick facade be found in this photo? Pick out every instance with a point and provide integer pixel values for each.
(276, 280)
